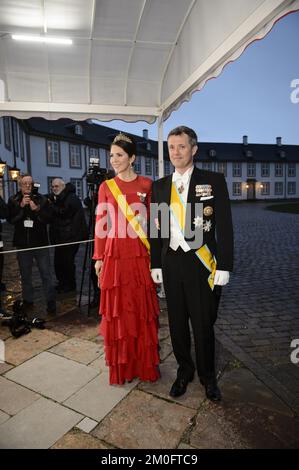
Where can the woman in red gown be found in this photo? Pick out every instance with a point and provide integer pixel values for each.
(128, 305)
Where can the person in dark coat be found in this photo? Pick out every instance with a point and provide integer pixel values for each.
(67, 225)
(192, 253)
(28, 211)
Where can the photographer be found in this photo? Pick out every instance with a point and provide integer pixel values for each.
(68, 224)
(28, 211)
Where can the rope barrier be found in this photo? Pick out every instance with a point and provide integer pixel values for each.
(44, 247)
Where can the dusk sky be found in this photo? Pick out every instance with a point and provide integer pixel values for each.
(251, 96)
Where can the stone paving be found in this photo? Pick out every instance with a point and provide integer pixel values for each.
(54, 390)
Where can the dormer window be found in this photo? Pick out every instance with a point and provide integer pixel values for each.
(248, 153)
(78, 129)
(212, 153)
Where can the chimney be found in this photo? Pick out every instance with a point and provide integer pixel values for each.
(245, 140)
(145, 134)
(278, 141)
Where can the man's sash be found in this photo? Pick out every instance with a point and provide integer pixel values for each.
(121, 200)
(178, 209)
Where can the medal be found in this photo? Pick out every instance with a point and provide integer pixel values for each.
(181, 188)
(208, 210)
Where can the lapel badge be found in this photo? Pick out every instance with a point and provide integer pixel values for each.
(208, 211)
(141, 196)
(207, 225)
(203, 190)
(198, 221)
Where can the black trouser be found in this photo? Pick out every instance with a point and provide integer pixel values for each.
(189, 297)
(64, 265)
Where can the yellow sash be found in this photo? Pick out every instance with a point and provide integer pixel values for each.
(178, 209)
(127, 211)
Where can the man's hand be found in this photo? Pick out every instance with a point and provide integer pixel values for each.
(25, 201)
(221, 278)
(157, 275)
(98, 266)
(33, 206)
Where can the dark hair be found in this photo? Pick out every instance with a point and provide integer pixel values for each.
(185, 130)
(128, 147)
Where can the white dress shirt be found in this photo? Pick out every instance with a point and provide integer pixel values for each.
(176, 236)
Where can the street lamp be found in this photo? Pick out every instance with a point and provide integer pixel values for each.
(14, 173)
(2, 167)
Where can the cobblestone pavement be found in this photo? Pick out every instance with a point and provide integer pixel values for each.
(259, 310)
(58, 375)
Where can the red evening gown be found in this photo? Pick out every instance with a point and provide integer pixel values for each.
(128, 305)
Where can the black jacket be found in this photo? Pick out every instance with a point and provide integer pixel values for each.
(3, 213)
(68, 223)
(220, 236)
(27, 237)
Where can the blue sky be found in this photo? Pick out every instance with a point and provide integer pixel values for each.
(251, 96)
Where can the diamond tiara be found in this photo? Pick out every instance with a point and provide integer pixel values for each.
(122, 137)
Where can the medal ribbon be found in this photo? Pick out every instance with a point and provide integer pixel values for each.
(178, 209)
(127, 211)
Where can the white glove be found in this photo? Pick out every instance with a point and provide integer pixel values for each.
(157, 275)
(221, 278)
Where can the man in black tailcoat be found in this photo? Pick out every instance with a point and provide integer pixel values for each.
(193, 258)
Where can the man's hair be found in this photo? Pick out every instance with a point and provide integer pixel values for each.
(185, 130)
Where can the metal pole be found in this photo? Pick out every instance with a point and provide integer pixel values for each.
(160, 146)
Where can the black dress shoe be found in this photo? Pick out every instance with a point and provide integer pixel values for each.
(179, 387)
(212, 391)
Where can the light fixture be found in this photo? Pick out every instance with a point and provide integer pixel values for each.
(247, 186)
(2, 167)
(261, 185)
(44, 39)
(14, 173)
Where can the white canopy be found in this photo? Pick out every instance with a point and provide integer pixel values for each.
(130, 59)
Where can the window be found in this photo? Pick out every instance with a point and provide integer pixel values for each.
(265, 170)
(265, 189)
(77, 182)
(15, 137)
(237, 169)
(50, 179)
(207, 166)
(148, 166)
(22, 148)
(108, 159)
(166, 168)
(137, 165)
(78, 129)
(291, 169)
(7, 135)
(278, 188)
(278, 169)
(237, 189)
(75, 156)
(291, 187)
(53, 153)
(156, 167)
(93, 152)
(250, 170)
(212, 153)
(222, 168)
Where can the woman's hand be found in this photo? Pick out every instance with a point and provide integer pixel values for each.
(98, 266)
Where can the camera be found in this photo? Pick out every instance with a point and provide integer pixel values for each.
(19, 324)
(96, 175)
(34, 191)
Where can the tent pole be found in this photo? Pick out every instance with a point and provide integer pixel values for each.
(160, 146)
